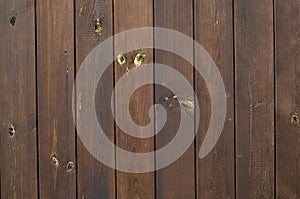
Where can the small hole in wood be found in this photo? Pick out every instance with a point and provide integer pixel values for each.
(295, 119)
(121, 59)
(171, 103)
(54, 160)
(139, 59)
(70, 166)
(13, 20)
(11, 130)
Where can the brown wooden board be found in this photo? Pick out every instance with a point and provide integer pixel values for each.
(287, 99)
(128, 15)
(255, 45)
(178, 179)
(254, 84)
(214, 31)
(18, 151)
(95, 180)
(55, 76)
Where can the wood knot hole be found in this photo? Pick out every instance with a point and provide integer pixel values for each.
(70, 166)
(295, 119)
(54, 160)
(12, 20)
(11, 130)
(139, 59)
(121, 59)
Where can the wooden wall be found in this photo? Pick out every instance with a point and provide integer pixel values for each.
(256, 46)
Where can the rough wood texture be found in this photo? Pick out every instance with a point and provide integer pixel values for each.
(95, 180)
(254, 98)
(42, 46)
(178, 179)
(55, 70)
(214, 31)
(18, 151)
(287, 99)
(128, 15)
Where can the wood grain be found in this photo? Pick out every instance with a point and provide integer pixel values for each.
(18, 151)
(254, 75)
(42, 46)
(55, 70)
(214, 31)
(128, 15)
(175, 15)
(287, 99)
(95, 180)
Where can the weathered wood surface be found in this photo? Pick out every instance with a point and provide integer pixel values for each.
(214, 31)
(255, 45)
(254, 103)
(128, 15)
(18, 134)
(181, 174)
(287, 99)
(55, 77)
(94, 179)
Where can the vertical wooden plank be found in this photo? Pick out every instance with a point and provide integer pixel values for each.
(128, 15)
(214, 31)
(18, 150)
(254, 57)
(287, 98)
(55, 70)
(178, 179)
(95, 180)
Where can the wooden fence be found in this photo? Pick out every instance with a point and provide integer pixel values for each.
(256, 46)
